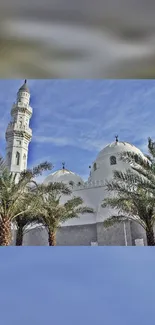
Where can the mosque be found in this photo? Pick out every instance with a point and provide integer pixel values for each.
(88, 229)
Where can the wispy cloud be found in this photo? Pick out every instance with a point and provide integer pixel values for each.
(54, 140)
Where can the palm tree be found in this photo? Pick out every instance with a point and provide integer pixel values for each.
(135, 206)
(21, 223)
(17, 197)
(53, 212)
(134, 192)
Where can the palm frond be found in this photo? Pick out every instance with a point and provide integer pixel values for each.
(3, 165)
(73, 203)
(121, 219)
(151, 148)
(134, 159)
(114, 220)
(84, 209)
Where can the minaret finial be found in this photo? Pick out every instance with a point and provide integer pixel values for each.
(24, 88)
(116, 137)
(63, 165)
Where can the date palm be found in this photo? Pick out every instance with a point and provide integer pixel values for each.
(22, 222)
(135, 205)
(53, 212)
(134, 192)
(16, 197)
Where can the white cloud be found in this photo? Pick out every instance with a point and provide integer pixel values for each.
(83, 143)
(57, 141)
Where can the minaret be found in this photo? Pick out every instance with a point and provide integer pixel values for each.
(18, 134)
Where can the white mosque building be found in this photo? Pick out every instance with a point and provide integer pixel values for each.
(88, 229)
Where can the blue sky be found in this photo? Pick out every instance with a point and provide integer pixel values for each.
(80, 286)
(74, 119)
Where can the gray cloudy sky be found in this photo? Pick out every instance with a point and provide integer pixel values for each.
(77, 39)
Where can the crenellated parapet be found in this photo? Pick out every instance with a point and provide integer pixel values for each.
(21, 107)
(88, 185)
(14, 127)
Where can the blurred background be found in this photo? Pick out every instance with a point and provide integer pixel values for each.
(77, 39)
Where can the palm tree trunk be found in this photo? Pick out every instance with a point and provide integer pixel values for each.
(5, 232)
(19, 236)
(52, 238)
(150, 236)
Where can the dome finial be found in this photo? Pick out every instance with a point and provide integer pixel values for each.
(116, 137)
(63, 165)
(25, 81)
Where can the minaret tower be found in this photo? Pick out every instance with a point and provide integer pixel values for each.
(18, 134)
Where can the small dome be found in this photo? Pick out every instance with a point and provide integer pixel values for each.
(24, 87)
(65, 176)
(118, 147)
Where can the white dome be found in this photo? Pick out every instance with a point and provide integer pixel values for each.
(118, 147)
(63, 175)
(102, 168)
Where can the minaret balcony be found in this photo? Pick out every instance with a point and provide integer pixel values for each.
(12, 127)
(20, 106)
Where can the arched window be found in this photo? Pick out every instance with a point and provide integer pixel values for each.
(136, 158)
(113, 160)
(95, 166)
(24, 158)
(71, 183)
(9, 157)
(17, 158)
